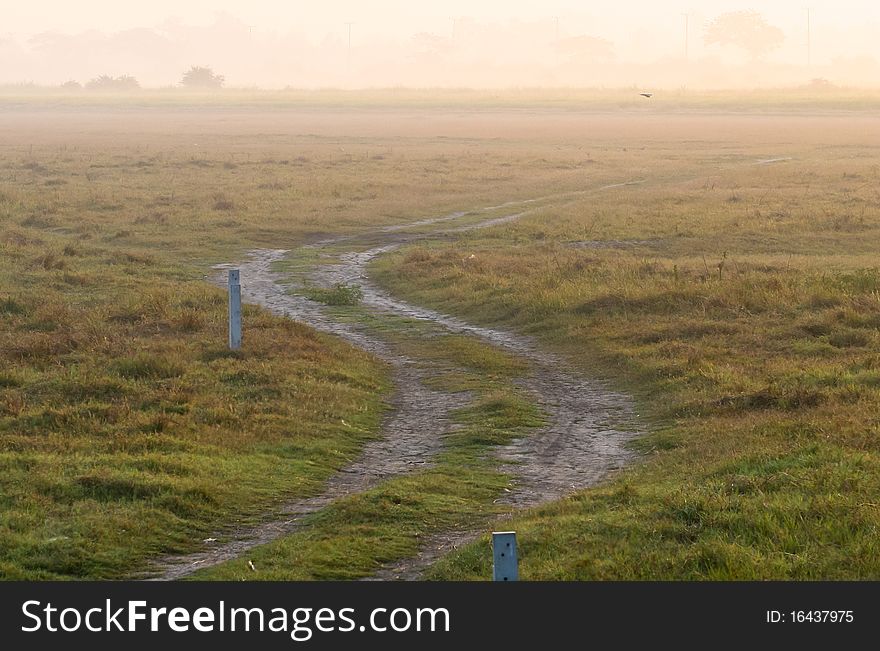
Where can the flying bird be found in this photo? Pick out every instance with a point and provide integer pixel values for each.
(648, 95)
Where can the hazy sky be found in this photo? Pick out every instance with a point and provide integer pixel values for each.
(249, 40)
(404, 16)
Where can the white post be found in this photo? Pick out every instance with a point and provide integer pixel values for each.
(505, 566)
(234, 309)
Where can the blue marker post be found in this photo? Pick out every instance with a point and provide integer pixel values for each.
(234, 309)
(505, 565)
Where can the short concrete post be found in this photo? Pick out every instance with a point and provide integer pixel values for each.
(505, 565)
(234, 309)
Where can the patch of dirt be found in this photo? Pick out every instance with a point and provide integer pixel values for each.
(433, 549)
(771, 161)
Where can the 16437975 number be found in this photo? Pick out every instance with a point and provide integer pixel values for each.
(810, 616)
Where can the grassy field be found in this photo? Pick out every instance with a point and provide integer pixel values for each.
(127, 431)
(355, 536)
(736, 298)
(741, 304)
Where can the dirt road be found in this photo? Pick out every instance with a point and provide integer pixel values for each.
(582, 441)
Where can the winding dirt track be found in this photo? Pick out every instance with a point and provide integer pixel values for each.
(583, 440)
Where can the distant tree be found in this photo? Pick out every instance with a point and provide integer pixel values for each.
(744, 29)
(201, 77)
(71, 85)
(106, 82)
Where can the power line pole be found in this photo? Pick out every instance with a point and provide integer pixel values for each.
(557, 27)
(687, 34)
(454, 23)
(809, 40)
(348, 61)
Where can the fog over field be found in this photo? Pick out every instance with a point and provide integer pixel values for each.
(484, 43)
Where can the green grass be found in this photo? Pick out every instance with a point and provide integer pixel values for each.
(748, 331)
(340, 294)
(737, 301)
(127, 429)
(355, 536)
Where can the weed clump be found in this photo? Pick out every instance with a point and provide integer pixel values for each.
(340, 294)
(11, 307)
(222, 202)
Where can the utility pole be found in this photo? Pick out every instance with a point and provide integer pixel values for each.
(454, 22)
(556, 18)
(809, 41)
(687, 34)
(348, 60)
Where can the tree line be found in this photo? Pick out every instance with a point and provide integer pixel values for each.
(196, 78)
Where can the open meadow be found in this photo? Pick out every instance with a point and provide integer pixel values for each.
(690, 284)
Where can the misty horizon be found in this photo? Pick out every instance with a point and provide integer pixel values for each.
(572, 48)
